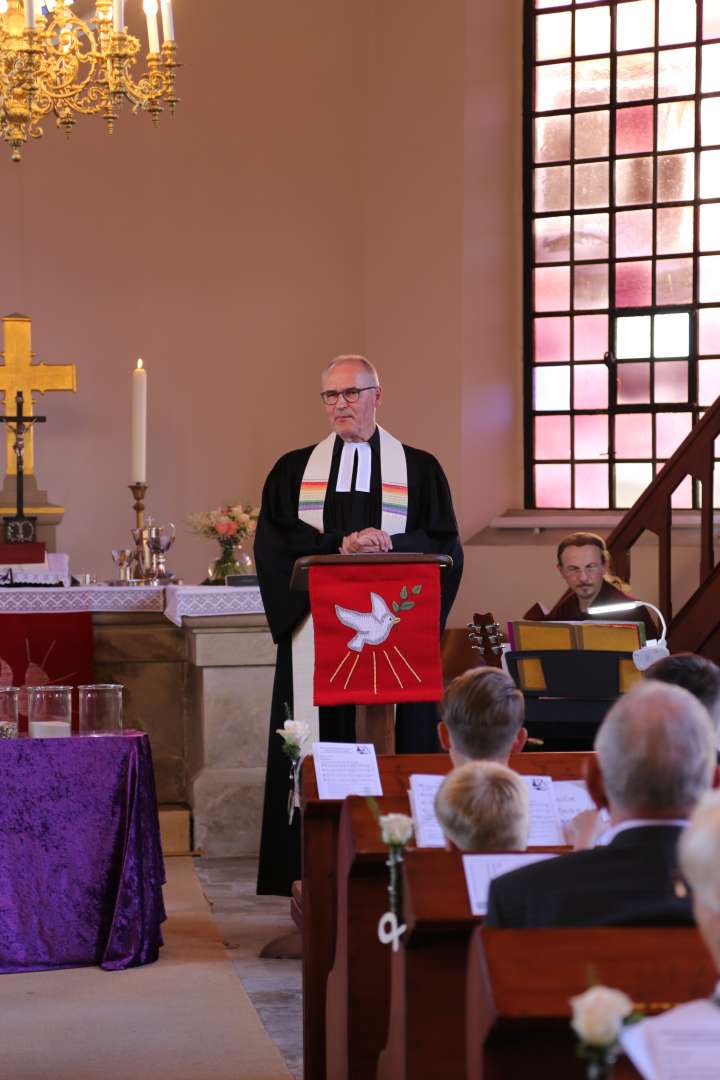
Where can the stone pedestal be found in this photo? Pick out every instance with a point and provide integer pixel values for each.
(147, 655)
(203, 695)
(232, 666)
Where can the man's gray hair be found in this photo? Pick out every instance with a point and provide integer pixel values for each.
(355, 358)
(699, 851)
(656, 750)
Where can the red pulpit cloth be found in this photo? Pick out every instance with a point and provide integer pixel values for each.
(377, 633)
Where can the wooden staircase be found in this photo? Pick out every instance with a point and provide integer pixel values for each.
(696, 626)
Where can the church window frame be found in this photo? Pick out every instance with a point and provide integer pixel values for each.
(621, 243)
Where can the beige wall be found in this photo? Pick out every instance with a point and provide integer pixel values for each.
(340, 176)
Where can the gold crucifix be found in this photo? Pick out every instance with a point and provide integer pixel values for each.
(19, 373)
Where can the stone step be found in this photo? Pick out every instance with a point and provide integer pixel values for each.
(175, 828)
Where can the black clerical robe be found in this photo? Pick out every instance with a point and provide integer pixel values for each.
(281, 538)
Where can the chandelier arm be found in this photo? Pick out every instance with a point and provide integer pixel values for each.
(71, 66)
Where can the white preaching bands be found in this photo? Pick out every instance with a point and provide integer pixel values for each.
(347, 461)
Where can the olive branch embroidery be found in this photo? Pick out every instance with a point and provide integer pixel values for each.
(404, 604)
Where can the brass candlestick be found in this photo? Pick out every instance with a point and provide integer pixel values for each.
(138, 491)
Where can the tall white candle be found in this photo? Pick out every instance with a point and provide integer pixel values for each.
(119, 15)
(139, 423)
(167, 20)
(150, 7)
(30, 14)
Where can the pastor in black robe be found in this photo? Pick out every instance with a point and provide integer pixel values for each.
(281, 538)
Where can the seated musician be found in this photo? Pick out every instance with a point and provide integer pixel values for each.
(483, 806)
(583, 562)
(482, 715)
(655, 758)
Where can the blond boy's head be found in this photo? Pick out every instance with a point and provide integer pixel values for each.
(483, 806)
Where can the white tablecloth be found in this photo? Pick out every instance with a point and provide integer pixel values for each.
(55, 569)
(175, 600)
(82, 598)
(205, 600)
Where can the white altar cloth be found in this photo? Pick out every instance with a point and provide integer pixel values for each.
(56, 568)
(206, 600)
(81, 598)
(175, 600)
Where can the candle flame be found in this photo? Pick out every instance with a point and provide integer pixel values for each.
(139, 364)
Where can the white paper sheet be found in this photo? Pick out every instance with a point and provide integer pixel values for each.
(572, 797)
(681, 1044)
(423, 787)
(481, 869)
(344, 769)
(545, 824)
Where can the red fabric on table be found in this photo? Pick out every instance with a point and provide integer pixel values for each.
(36, 650)
(22, 554)
(400, 665)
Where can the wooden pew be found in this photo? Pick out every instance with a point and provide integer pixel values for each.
(519, 983)
(427, 997)
(425, 1034)
(358, 992)
(320, 821)
(358, 986)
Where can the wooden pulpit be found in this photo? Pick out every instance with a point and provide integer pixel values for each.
(375, 722)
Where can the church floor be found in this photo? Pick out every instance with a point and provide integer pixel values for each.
(246, 922)
(186, 1017)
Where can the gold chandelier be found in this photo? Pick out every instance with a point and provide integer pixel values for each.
(53, 61)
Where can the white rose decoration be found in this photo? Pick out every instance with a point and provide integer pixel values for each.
(598, 1015)
(294, 733)
(397, 829)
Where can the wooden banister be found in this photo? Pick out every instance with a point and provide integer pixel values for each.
(693, 627)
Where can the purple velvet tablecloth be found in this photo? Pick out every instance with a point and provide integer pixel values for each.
(81, 869)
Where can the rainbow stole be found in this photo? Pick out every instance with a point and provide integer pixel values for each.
(393, 468)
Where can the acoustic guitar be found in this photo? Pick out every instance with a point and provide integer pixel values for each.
(486, 636)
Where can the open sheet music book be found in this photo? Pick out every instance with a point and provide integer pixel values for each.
(553, 803)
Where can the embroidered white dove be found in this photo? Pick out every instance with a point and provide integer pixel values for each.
(372, 627)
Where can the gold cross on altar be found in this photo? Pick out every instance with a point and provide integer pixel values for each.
(19, 373)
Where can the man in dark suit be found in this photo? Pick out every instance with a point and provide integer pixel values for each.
(655, 758)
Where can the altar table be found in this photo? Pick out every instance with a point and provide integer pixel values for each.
(81, 868)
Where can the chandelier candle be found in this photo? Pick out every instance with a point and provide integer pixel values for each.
(150, 7)
(139, 423)
(118, 16)
(30, 14)
(167, 20)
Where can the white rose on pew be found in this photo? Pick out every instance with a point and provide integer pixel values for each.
(294, 733)
(397, 829)
(598, 1014)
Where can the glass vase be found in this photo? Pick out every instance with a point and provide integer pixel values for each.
(226, 563)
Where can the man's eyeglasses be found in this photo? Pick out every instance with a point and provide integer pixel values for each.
(575, 571)
(350, 394)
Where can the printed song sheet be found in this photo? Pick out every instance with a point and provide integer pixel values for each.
(572, 797)
(681, 1044)
(423, 787)
(344, 769)
(545, 824)
(481, 869)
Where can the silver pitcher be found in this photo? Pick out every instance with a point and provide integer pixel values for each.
(152, 544)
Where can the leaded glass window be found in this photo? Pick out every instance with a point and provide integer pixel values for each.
(623, 242)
